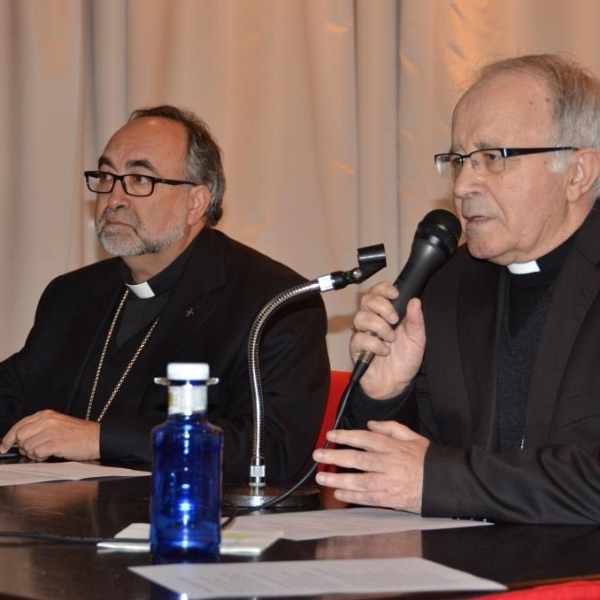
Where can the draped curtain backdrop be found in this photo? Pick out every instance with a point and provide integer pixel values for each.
(328, 113)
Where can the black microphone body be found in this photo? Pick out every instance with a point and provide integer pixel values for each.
(435, 241)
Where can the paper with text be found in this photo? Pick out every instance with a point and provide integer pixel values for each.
(20, 473)
(280, 579)
(310, 525)
(232, 542)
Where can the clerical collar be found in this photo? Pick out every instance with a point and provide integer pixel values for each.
(160, 283)
(141, 290)
(524, 268)
(543, 270)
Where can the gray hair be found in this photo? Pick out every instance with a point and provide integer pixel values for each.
(204, 158)
(575, 100)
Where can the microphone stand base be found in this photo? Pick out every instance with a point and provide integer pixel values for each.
(305, 498)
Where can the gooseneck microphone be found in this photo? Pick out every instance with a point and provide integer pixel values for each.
(257, 496)
(435, 240)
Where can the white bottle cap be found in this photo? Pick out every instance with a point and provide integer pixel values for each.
(188, 371)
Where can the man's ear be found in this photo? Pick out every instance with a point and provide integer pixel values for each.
(583, 172)
(199, 201)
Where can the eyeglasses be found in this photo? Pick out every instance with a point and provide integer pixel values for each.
(486, 161)
(101, 182)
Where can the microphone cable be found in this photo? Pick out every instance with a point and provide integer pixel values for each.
(311, 470)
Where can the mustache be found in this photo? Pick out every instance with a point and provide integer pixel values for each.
(122, 215)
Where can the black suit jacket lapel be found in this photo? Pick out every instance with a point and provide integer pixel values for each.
(577, 286)
(192, 302)
(91, 317)
(479, 312)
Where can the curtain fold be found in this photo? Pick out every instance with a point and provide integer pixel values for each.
(328, 113)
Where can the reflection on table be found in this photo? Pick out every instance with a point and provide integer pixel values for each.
(515, 555)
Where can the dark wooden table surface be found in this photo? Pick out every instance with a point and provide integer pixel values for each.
(516, 555)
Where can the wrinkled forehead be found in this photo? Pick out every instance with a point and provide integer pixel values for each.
(160, 142)
(506, 108)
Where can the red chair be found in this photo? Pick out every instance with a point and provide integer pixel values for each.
(571, 590)
(339, 381)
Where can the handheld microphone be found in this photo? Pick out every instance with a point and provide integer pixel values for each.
(435, 240)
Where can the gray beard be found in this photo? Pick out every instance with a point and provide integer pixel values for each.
(136, 244)
(117, 246)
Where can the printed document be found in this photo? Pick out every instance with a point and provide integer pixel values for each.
(279, 579)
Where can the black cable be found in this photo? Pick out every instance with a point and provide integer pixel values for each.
(70, 539)
(340, 413)
(49, 537)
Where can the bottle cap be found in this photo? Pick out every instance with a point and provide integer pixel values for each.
(188, 371)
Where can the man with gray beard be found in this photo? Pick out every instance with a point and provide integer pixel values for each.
(180, 291)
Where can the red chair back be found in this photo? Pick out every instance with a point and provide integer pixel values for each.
(339, 381)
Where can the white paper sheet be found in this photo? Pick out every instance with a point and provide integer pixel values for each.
(299, 578)
(232, 542)
(316, 524)
(251, 534)
(20, 473)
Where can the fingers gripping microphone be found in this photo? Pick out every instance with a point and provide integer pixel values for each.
(435, 240)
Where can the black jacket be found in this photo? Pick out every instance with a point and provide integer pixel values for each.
(556, 477)
(225, 284)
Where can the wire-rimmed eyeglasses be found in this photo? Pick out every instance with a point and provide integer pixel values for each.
(486, 161)
(101, 182)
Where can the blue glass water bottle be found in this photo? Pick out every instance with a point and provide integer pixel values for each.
(185, 509)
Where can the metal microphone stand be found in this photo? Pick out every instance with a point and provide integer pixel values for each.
(370, 260)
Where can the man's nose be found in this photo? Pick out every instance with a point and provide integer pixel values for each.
(118, 197)
(466, 179)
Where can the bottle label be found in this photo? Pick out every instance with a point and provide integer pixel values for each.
(187, 399)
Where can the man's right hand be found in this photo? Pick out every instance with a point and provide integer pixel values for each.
(398, 353)
(49, 433)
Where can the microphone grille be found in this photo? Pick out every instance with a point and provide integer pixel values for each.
(442, 226)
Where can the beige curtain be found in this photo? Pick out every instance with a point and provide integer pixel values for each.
(328, 113)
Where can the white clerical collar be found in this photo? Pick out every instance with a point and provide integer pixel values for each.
(524, 268)
(141, 290)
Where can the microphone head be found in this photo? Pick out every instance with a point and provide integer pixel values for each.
(441, 228)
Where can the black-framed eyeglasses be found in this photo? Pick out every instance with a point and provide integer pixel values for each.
(486, 161)
(101, 182)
